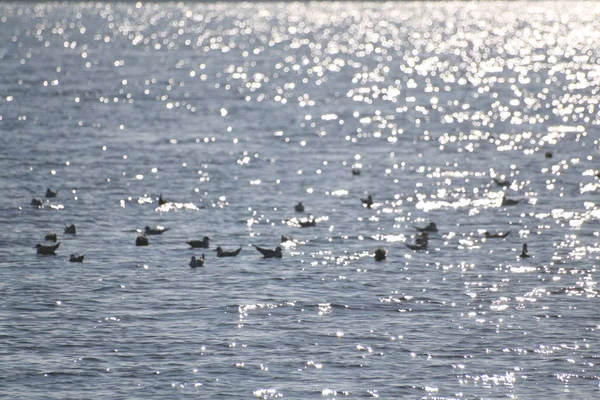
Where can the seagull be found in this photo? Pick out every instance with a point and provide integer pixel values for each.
(226, 253)
(159, 230)
(46, 249)
(380, 254)
(299, 207)
(496, 235)
(70, 229)
(504, 183)
(268, 253)
(524, 252)
(51, 193)
(306, 224)
(199, 244)
(197, 262)
(141, 240)
(36, 202)
(429, 228)
(509, 202)
(367, 202)
(51, 236)
(76, 257)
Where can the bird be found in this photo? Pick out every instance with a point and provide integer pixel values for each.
(199, 244)
(197, 262)
(141, 240)
(524, 253)
(51, 193)
(355, 171)
(299, 207)
(421, 242)
(306, 224)
(51, 236)
(36, 202)
(70, 229)
(161, 201)
(159, 230)
(286, 239)
(367, 202)
(46, 249)
(380, 254)
(226, 253)
(429, 228)
(489, 235)
(504, 183)
(509, 202)
(548, 154)
(417, 246)
(76, 258)
(268, 253)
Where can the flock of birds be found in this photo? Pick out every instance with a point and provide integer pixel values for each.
(421, 240)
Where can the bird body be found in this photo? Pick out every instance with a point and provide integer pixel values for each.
(380, 254)
(489, 235)
(70, 229)
(46, 249)
(197, 262)
(51, 193)
(429, 228)
(161, 201)
(159, 230)
(76, 257)
(308, 223)
(504, 183)
(225, 253)
(509, 202)
(299, 207)
(141, 240)
(199, 244)
(417, 247)
(51, 236)
(37, 202)
(524, 253)
(367, 202)
(268, 253)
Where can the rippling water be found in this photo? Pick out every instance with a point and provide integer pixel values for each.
(235, 112)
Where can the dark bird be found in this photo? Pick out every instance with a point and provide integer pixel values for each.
(509, 202)
(159, 230)
(268, 253)
(76, 257)
(286, 239)
(504, 183)
(367, 202)
(51, 193)
(197, 262)
(416, 246)
(161, 201)
(299, 207)
(429, 228)
(306, 224)
(380, 254)
(141, 240)
(548, 154)
(489, 235)
(355, 171)
(36, 202)
(199, 244)
(70, 229)
(46, 249)
(226, 253)
(524, 253)
(51, 236)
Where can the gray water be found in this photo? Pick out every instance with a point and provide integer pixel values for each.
(235, 112)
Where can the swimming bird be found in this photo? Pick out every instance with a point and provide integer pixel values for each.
(286, 239)
(355, 171)
(159, 230)
(299, 207)
(76, 257)
(141, 240)
(51, 193)
(429, 228)
(306, 224)
(46, 249)
(509, 202)
(367, 202)
(36, 202)
(199, 244)
(524, 253)
(197, 262)
(70, 229)
(548, 154)
(380, 254)
(226, 253)
(504, 183)
(161, 201)
(51, 236)
(489, 235)
(268, 253)
(416, 246)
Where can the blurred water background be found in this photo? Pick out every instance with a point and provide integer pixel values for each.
(235, 112)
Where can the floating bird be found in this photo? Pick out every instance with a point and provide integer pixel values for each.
(509, 202)
(161, 201)
(286, 239)
(524, 252)
(159, 230)
(199, 244)
(380, 254)
(197, 262)
(51, 236)
(226, 253)
(299, 207)
(548, 154)
(51, 193)
(141, 240)
(417, 247)
(504, 183)
(76, 257)
(70, 229)
(306, 224)
(268, 253)
(367, 202)
(421, 242)
(36, 202)
(46, 249)
(355, 171)
(489, 235)
(429, 228)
